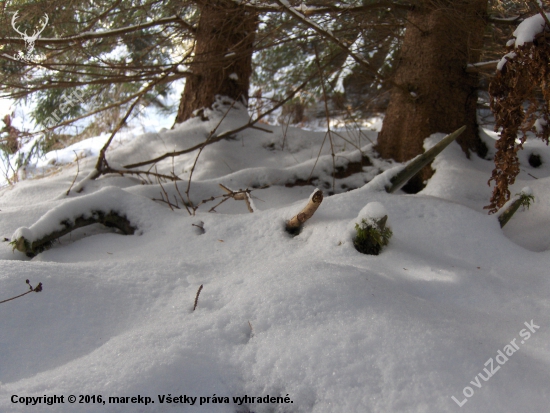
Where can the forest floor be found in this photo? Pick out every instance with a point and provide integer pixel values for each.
(454, 311)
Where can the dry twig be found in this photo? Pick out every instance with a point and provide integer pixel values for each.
(36, 289)
(197, 298)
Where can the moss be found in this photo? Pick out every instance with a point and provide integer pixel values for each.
(525, 200)
(370, 239)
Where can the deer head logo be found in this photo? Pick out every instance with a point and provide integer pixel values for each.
(29, 40)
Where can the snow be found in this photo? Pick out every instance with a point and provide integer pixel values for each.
(305, 317)
(505, 58)
(529, 28)
(372, 212)
(539, 125)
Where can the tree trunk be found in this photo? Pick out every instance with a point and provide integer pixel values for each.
(222, 57)
(432, 91)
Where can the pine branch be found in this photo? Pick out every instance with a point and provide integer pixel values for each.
(312, 11)
(327, 34)
(99, 35)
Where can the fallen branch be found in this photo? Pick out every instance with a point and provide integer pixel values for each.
(33, 247)
(413, 167)
(294, 225)
(36, 289)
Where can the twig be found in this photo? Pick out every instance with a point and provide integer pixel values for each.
(163, 191)
(212, 132)
(197, 298)
(37, 289)
(76, 176)
(102, 167)
(240, 195)
(181, 197)
(262, 129)
(322, 79)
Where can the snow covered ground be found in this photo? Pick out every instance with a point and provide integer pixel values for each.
(437, 321)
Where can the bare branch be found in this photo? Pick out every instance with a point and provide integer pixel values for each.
(311, 11)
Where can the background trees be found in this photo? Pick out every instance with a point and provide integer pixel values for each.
(432, 89)
(222, 61)
(358, 54)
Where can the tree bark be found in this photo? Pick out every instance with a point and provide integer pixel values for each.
(222, 62)
(433, 92)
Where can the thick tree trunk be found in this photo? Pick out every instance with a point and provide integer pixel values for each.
(222, 57)
(433, 92)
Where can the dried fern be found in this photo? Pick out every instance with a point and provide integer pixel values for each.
(519, 108)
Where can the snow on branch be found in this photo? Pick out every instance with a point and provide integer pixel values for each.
(111, 206)
(416, 164)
